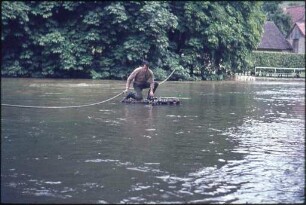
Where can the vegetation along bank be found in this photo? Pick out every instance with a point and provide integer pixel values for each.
(108, 39)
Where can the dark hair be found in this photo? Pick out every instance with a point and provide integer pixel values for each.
(144, 62)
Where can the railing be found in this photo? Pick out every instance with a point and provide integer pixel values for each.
(279, 72)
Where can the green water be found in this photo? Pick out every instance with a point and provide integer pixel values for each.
(227, 142)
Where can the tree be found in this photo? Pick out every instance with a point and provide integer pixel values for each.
(215, 32)
(106, 40)
(274, 13)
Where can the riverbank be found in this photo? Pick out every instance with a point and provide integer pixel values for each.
(280, 79)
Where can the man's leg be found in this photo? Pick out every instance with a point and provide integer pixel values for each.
(138, 88)
(129, 95)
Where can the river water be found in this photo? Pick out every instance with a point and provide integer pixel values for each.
(227, 142)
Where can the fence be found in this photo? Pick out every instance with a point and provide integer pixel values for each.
(279, 72)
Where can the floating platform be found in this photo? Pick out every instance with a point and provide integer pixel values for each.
(154, 101)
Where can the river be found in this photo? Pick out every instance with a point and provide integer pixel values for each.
(227, 142)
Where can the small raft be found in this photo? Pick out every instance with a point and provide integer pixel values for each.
(154, 101)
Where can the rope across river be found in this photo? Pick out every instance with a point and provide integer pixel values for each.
(75, 106)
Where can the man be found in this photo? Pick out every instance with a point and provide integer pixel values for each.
(142, 77)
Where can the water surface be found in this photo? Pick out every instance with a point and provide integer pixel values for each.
(228, 142)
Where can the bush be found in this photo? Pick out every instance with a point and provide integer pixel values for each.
(159, 74)
(277, 59)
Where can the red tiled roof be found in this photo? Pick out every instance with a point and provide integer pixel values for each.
(296, 12)
(273, 39)
(301, 26)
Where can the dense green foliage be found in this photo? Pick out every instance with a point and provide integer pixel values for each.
(277, 59)
(107, 39)
(275, 13)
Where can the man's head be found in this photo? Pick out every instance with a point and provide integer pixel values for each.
(145, 64)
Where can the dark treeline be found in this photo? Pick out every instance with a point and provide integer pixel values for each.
(107, 39)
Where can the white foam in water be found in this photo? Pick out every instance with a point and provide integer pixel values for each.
(107, 111)
(213, 129)
(152, 163)
(170, 115)
(49, 182)
(137, 169)
(150, 129)
(101, 160)
(185, 192)
(43, 192)
(139, 188)
(178, 133)
(102, 202)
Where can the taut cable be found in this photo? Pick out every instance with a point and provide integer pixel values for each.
(61, 107)
(75, 106)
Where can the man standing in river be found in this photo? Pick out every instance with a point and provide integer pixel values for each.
(142, 77)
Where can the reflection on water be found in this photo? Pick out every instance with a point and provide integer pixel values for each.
(228, 142)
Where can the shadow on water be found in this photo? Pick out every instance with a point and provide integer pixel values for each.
(228, 142)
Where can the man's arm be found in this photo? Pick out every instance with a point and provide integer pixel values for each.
(152, 85)
(130, 78)
(151, 81)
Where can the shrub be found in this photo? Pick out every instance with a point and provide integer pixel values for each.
(278, 59)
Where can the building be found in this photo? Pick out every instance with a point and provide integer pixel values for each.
(273, 39)
(297, 14)
(296, 37)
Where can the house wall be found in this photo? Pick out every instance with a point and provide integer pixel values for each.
(301, 45)
(297, 40)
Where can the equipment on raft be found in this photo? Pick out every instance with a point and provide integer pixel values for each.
(154, 101)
